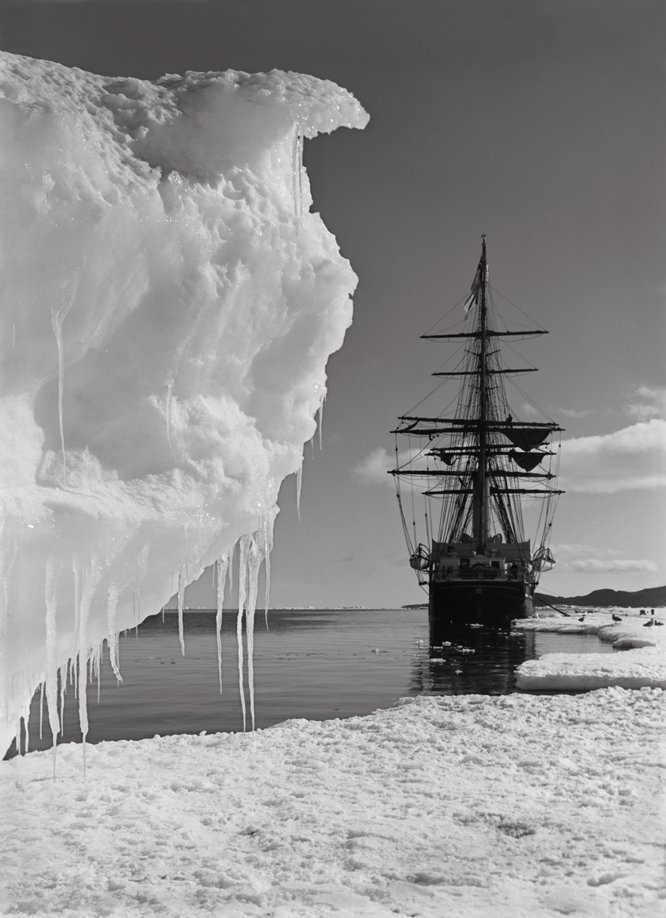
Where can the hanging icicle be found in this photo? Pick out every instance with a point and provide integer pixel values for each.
(297, 172)
(221, 568)
(254, 559)
(299, 483)
(50, 586)
(267, 527)
(111, 609)
(181, 604)
(242, 599)
(59, 313)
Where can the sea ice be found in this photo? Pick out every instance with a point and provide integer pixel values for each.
(170, 302)
(639, 660)
(527, 806)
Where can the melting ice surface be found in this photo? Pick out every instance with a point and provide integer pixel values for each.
(169, 304)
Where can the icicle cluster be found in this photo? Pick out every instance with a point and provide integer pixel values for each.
(170, 302)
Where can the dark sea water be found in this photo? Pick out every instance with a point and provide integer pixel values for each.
(307, 664)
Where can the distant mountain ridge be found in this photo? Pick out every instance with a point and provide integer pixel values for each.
(653, 596)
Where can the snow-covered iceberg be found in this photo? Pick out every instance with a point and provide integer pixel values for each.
(169, 305)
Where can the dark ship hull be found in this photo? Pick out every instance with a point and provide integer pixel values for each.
(478, 602)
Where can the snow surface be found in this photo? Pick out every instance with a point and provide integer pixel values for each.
(169, 305)
(513, 806)
(640, 659)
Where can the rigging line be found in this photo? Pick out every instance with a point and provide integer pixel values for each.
(457, 305)
(461, 359)
(508, 347)
(413, 515)
(411, 458)
(439, 385)
(405, 527)
(530, 400)
(515, 306)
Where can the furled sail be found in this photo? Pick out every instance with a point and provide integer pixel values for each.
(526, 437)
(526, 461)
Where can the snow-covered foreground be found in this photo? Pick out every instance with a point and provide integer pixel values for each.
(518, 805)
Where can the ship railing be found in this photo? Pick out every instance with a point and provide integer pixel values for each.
(479, 573)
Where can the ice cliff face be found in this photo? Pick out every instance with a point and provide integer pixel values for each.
(169, 305)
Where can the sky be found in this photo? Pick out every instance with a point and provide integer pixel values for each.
(537, 123)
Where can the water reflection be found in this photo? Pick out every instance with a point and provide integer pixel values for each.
(470, 660)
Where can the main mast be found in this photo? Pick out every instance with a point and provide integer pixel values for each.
(480, 502)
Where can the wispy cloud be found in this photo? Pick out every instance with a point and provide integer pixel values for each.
(373, 470)
(618, 566)
(647, 402)
(633, 458)
(574, 412)
(585, 559)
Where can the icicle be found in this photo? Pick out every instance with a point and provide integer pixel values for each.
(169, 399)
(58, 316)
(57, 328)
(267, 530)
(181, 604)
(242, 594)
(97, 660)
(51, 682)
(85, 598)
(187, 554)
(299, 482)
(320, 422)
(221, 568)
(254, 564)
(76, 569)
(112, 640)
(62, 688)
(297, 172)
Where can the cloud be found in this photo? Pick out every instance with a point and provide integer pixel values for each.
(373, 470)
(574, 412)
(585, 560)
(633, 458)
(617, 566)
(647, 402)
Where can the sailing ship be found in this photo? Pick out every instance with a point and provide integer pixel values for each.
(478, 476)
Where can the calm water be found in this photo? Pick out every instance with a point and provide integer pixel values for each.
(311, 664)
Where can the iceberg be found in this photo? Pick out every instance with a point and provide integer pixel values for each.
(169, 305)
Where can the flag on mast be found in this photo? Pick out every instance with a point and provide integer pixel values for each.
(473, 298)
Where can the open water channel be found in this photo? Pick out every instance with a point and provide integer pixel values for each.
(314, 664)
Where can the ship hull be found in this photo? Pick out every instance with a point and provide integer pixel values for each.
(477, 601)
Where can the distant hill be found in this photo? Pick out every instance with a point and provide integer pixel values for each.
(652, 597)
